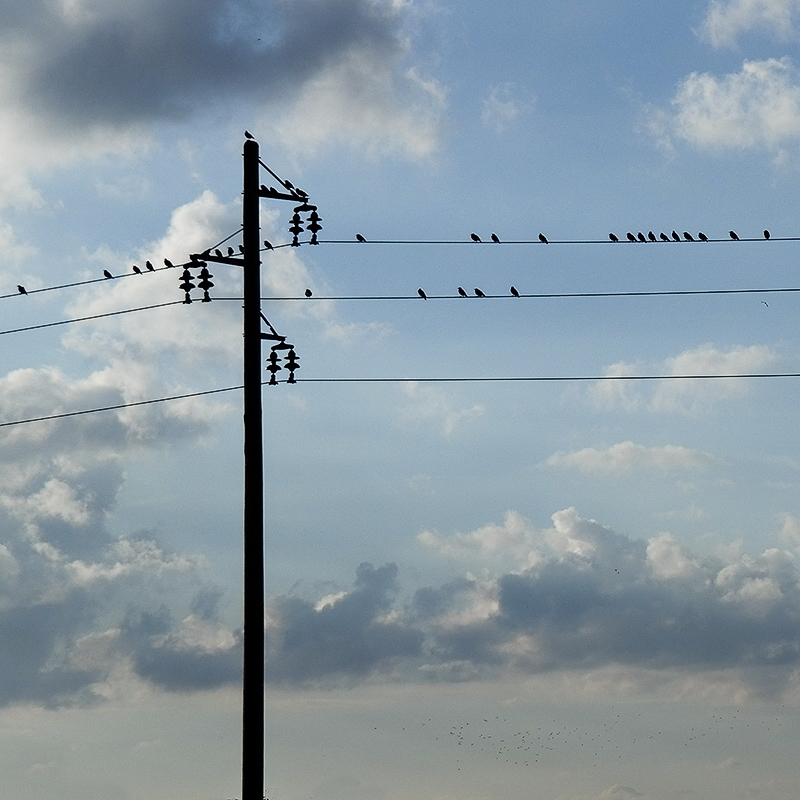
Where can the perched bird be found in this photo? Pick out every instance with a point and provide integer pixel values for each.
(688, 236)
(766, 234)
(733, 236)
(640, 237)
(267, 244)
(248, 135)
(462, 292)
(360, 238)
(495, 238)
(107, 274)
(474, 237)
(230, 251)
(479, 293)
(542, 238)
(631, 237)
(663, 236)
(137, 270)
(675, 236)
(241, 249)
(613, 237)
(218, 253)
(422, 294)
(514, 291)
(702, 237)
(308, 293)
(21, 289)
(651, 236)
(150, 267)
(168, 263)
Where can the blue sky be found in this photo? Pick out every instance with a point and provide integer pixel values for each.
(584, 589)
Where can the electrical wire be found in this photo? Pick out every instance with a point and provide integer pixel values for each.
(553, 241)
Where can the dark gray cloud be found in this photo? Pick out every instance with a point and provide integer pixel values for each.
(145, 60)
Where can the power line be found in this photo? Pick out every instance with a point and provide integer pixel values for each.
(539, 242)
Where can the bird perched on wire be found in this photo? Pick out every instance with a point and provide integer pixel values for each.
(630, 236)
(360, 238)
(218, 253)
(675, 236)
(137, 270)
(663, 236)
(168, 263)
(474, 237)
(766, 234)
(150, 267)
(21, 289)
(613, 237)
(308, 292)
(688, 236)
(733, 236)
(107, 274)
(640, 236)
(422, 294)
(268, 245)
(702, 237)
(479, 293)
(542, 238)
(514, 291)
(651, 236)
(462, 292)
(495, 238)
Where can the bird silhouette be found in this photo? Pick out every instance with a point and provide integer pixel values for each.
(663, 236)
(422, 294)
(651, 236)
(766, 234)
(230, 252)
(474, 237)
(308, 292)
(613, 237)
(675, 236)
(479, 293)
(702, 237)
(150, 267)
(631, 237)
(514, 291)
(688, 236)
(268, 245)
(640, 236)
(218, 253)
(21, 289)
(543, 238)
(241, 249)
(107, 274)
(462, 292)
(733, 236)
(248, 135)
(495, 238)
(168, 263)
(360, 238)
(137, 270)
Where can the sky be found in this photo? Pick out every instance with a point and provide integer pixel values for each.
(511, 550)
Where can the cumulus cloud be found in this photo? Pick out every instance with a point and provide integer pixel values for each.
(627, 456)
(683, 394)
(581, 599)
(755, 108)
(726, 21)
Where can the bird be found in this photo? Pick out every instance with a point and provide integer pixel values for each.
(248, 135)
(514, 291)
(218, 253)
(495, 238)
(766, 234)
(733, 236)
(230, 252)
(168, 263)
(462, 292)
(631, 237)
(651, 236)
(267, 244)
(663, 236)
(137, 270)
(422, 294)
(150, 267)
(360, 238)
(702, 237)
(107, 274)
(21, 289)
(765, 303)
(308, 292)
(675, 236)
(613, 237)
(241, 249)
(543, 238)
(479, 293)
(474, 237)
(688, 236)
(640, 237)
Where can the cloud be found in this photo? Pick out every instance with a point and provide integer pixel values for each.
(755, 108)
(428, 403)
(685, 395)
(725, 21)
(627, 456)
(500, 108)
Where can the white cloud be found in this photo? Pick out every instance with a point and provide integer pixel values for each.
(429, 403)
(755, 108)
(685, 395)
(627, 456)
(725, 21)
(500, 108)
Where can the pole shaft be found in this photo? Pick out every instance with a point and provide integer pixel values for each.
(253, 659)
